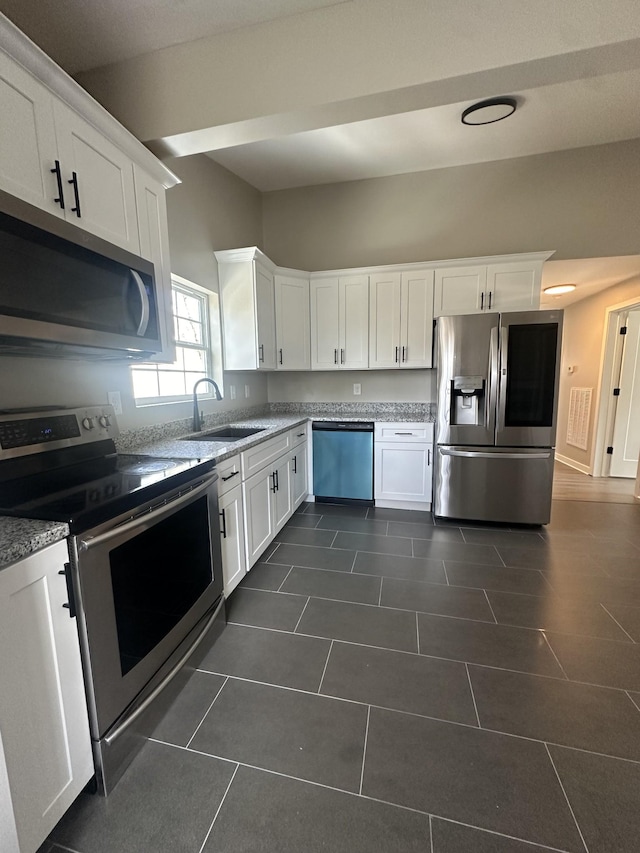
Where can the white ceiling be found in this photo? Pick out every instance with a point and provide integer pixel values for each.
(598, 103)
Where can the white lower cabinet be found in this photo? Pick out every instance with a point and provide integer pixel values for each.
(403, 465)
(234, 561)
(299, 474)
(43, 712)
(258, 513)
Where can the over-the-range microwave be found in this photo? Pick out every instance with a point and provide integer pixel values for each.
(65, 292)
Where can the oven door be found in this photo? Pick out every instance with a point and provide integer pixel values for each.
(142, 584)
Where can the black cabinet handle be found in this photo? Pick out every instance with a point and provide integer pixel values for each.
(261, 352)
(224, 524)
(397, 348)
(490, 299)
(235, 474)
(482, 301)
(404, 350)
(295, 464)
(280, 351)
(276, 477)
(273, 478)
(299, 434)
(74, 183)
(56, 171)
(335, 356)
(342, 356)
(71, 604)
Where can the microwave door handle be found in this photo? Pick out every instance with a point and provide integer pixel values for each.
(143, 521)
(144, 298)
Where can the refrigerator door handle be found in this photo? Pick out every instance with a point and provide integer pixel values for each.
(492, 391)
(479, 454)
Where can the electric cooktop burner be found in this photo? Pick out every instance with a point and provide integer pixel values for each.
(63, 466)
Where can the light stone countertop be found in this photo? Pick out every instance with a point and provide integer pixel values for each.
(20, 537)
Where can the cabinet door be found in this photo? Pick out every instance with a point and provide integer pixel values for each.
(403, 472)
(460, 290)
(265, 318)
(354, 322)
(282, 504)
(43, 713)
(325, 324)
(384, 320)
(293, 327)
(299, 475)
(416, 344)
(514, 286)
(234, 563)
(151, 208)
(258, 514)
(104, 178)
(27, 138)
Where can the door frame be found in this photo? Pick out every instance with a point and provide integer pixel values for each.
(610, 362)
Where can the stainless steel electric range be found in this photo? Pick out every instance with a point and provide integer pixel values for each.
(145, 570)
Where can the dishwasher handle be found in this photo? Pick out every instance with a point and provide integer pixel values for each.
(342, 426)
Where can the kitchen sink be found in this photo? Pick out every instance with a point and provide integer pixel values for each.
(225, 434)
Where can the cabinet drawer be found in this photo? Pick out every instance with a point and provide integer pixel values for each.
(298, 434)
(255, 458)
(228, 474)
(410, 432)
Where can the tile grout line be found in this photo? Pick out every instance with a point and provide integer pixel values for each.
(499, 834)
(616, 621)
(486, 595)
(353, 565)
(215, 817)
(302, 614)
(562, 669)
(380, 593)
(326, 664)
(364, 749)
(546, 746)
(466, 666)
(207, 711)
(632, 699)
(283, 581)
(431, 832)
(417, 632)
(446, 576)
(334, 539)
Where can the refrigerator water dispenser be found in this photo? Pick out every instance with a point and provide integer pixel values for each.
(467, 400)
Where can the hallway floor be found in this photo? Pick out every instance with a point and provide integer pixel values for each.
(388, 684)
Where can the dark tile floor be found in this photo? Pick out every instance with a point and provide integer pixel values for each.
(389, 684)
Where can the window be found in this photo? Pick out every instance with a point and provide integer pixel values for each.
(195, 321)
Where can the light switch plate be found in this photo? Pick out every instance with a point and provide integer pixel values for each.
(114, 399)
(232, 392)
(247, 391)
(357, 389)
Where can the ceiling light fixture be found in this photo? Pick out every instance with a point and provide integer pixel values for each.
(486, 112)
(558, 289)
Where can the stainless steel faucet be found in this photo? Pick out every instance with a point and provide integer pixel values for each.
(197, 417)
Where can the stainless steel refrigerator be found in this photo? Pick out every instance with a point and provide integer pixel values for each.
(497, 404)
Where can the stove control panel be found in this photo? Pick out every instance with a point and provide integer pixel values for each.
(23, 433)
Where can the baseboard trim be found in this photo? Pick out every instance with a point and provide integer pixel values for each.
(577, 466)
(419, 505)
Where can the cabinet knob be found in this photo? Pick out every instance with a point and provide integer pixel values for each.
(87, 423)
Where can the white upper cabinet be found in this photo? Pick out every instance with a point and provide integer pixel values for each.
(460, 290)
(340, 323)
(293, 327)
(401, 319)
(514, 286)
(248, 309)
(97, 178)
(27, 138)
(502, 283)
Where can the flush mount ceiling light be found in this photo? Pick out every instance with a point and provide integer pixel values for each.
(558, 289)
(486, 112)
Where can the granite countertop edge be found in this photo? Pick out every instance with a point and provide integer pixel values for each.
(21, 537)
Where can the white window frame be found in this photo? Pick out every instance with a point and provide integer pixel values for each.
(211, 346)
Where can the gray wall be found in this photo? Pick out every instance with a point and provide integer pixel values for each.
(582, 203)
(212, 209)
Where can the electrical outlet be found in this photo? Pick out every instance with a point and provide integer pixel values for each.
(115, 400)
(232, 392)
(357, 389)
(247, 391)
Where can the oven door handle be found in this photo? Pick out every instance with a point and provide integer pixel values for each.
(148, 518)
(115, 733)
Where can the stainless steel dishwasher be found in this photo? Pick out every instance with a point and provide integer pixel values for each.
(343, 461)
